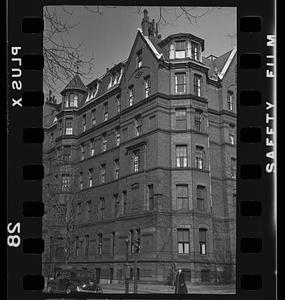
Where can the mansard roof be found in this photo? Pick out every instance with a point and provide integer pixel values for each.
(75, 84)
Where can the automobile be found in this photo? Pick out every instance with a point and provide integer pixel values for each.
(70, 281)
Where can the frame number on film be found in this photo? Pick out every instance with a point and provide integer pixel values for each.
(13, 240)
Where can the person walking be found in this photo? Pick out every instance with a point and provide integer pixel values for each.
(180, 285)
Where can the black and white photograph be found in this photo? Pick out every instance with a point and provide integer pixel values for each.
(140, 149)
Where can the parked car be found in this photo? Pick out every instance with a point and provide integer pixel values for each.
(69, 281)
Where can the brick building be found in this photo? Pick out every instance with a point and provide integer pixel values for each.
(148, 152)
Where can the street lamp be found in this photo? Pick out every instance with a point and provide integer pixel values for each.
(126, 271)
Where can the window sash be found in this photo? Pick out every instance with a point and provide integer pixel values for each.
(118, 137)
(197, 85)
(202, 235)
(203, 248)
(131, 96)
(230, 101)
(180, 82)
(182, 196)
(147, 87)
(104, 143)
(195, 51)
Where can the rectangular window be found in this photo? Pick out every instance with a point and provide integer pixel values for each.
(68, 127)
(118, 104)
(139, 58)
(90, 177)
(76, 248)
(84, 123)
(131, 95)
(198, 120)
(124, 202)
(138, 126)
(195, 51)
(230, 100)
(182, 196)
(180, 83)
(147, 84)
(200, 157)
(93, 117)
(150, 197)
(92, 147)
(81, 185)
(113, 243)
(60, 127)
(88, 210)
(203, 241)
(183, 241)
(82, 153)
(118, 136)
(100, 243)
(65, 182)
(86, 244)
(105, 111)
(136, 161)
(104, 143)
(197, 85)
(201, 196)
(232, 134)
(116, 205)
(180, 118)
(103, 173)
(116, 169)
(102, 207)
(66, 153)
(132, 240)
(180, 49)
(233, 168)
(181, 156)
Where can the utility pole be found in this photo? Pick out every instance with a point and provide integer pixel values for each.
(127, 267)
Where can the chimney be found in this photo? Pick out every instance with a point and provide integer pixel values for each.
(151, 27)
(156, 30)
(145, 23)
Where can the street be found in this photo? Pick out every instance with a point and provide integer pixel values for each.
(165, 289)
(119, 288)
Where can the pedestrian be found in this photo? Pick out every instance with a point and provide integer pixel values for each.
(180, 285)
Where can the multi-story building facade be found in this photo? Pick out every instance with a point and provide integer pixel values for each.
(147, 152)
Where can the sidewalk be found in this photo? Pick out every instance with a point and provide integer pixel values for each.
(144, 288)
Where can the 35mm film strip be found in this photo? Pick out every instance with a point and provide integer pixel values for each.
(165, 165)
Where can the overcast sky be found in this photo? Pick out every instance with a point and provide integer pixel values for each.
(109, 36)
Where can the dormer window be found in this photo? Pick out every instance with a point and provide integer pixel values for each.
(71, 101)
(94, 91)
(195, 51)
(180, 49)
(139, 59)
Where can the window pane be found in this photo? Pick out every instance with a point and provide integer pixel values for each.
(186, 235)
(186, 248)
(180, 248)
(180, 235)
